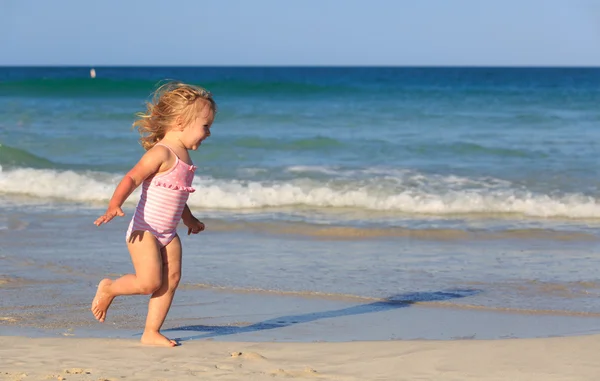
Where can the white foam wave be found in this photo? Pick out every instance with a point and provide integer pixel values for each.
(236, 195)
(402, 176)
(418, 194)
(53, 184)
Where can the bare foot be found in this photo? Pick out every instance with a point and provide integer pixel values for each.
(156, 338)
(102, 300)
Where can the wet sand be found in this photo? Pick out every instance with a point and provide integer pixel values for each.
(199, 314)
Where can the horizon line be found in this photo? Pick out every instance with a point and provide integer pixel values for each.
(302, 66)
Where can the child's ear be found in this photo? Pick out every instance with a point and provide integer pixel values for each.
(179, 124)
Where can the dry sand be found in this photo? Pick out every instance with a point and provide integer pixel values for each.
(72, 359)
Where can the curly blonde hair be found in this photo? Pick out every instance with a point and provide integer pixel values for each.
(171, 101)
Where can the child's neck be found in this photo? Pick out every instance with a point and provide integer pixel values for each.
(172, 140)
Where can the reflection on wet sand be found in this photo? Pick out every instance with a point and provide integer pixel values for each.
(340, 232)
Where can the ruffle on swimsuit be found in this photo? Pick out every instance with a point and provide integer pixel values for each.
(173, 186)
(161, 183)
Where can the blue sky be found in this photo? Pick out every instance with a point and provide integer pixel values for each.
(294, 32)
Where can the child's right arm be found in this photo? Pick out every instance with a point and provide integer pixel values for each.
(149, 164)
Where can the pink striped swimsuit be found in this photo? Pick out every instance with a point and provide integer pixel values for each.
(162, 201)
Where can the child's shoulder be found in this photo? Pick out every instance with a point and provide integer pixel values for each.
(159, 153)
(160, 149)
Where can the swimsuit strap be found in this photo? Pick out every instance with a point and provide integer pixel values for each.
(170, 149)
(177, 160)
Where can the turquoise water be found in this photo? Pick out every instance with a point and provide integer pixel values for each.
(366, 182)
(424, 142)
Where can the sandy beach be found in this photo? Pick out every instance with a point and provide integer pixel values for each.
(569, 358)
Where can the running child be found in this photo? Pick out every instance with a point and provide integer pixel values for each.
(177, 120)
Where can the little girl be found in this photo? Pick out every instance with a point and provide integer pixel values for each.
(177, 120)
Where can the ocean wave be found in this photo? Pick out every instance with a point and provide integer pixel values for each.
(408, 193)
(375, 196)
(14, 157)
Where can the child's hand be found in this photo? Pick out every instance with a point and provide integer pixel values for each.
(194, 225)
(111, 213)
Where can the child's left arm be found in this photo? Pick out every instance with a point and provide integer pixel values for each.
(194, 225)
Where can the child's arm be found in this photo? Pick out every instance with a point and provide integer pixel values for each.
(194, 225)
(149, 164)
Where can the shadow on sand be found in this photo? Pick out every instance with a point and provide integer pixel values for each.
(390, 303)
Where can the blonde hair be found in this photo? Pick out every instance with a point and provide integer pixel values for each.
(171, 101)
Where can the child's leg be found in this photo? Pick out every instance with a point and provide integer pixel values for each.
(160, 302)
(147, 262)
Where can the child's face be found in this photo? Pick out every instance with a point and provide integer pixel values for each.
(199, 129)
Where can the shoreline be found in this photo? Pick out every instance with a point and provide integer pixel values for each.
(206, 314)
(548, 359)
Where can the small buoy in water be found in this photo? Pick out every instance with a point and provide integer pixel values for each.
(93, 73)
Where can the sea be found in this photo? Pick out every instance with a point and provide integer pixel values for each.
(327, 192)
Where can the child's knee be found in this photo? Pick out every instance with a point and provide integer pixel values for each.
(150, 286)
(174, 279)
